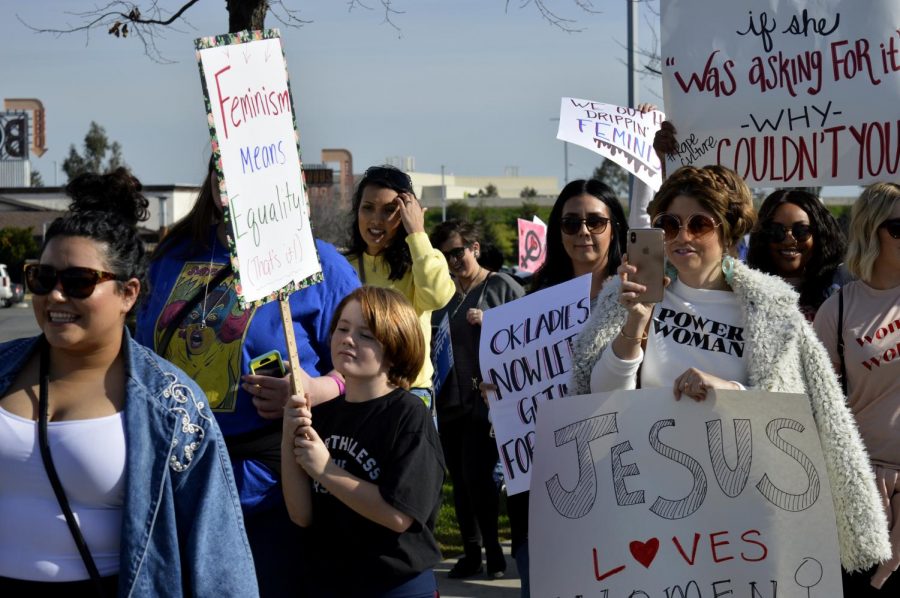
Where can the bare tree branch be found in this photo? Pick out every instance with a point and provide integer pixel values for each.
(149, 22)
(389, 12)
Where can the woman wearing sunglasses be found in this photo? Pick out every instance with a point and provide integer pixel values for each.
(469, 449)
(389, 248)
(723, 325)
(585, 235)
(799, 240)
(113, 473)
(860, 327)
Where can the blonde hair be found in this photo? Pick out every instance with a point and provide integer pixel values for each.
(871, 209)
(719, 190)
(392, 320)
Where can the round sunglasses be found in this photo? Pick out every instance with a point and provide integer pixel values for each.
(777, 233)
(77, 283)
(596, 224)
(892, 226)
(698, 225)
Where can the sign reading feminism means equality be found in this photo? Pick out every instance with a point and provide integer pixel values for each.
(526, 351)
(635, 495)
(256, 149)
(786, 93)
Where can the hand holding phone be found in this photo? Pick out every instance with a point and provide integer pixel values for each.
(647, 253)
(268, 364)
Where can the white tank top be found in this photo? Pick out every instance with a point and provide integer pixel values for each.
(89, 455)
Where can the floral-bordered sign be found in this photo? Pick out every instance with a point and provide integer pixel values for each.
(256, 150)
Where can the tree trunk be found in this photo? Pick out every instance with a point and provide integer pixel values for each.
(246, 14)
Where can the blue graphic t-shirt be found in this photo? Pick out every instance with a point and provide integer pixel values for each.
(217, 339)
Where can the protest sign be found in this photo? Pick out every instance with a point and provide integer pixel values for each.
(532, 244)
(526, 351)
(255, 146)
(636, 495)
(623, 135)
(786, 93)
(441, 354)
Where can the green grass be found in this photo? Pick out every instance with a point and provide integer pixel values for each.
(447, 532)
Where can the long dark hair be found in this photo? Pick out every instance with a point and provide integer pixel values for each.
(829, 243)
(396, 254)
(106, 208)
(557, 266)
(196, 224)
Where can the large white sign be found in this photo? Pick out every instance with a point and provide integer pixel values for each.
(526, 352)
(255, 144)
(785, 92)
(623, 135)
(636, 495)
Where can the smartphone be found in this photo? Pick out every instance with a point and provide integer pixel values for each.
(268, 364)
(647, 253)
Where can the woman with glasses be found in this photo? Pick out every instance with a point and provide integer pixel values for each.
(113, 474)
(585, 235)
(723, 325)
(798, 239)
(389, 248)
(469, 449)
(860, 327)
(193, 319)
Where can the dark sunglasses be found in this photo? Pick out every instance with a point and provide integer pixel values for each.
(892, 226)
(392, 178)
(571, 225)
(78, 283)
(777, 233)
(456, 253)
(698, 225)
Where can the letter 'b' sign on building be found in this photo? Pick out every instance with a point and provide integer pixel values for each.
(255, 145)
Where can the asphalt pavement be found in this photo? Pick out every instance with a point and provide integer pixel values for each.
(17, 321)
(479, 586)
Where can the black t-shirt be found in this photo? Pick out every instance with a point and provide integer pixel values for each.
(389, 441)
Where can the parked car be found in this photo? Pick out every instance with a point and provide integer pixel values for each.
(6, 290)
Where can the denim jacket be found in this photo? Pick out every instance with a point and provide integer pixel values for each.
(182, 528)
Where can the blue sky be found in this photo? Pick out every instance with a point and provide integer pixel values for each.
(467, 84)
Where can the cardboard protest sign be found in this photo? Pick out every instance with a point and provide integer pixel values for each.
(256, 149)
(532, 244)
(635, 494)
(526, 351)
(441, 354)
(785, 92)
(621, 134)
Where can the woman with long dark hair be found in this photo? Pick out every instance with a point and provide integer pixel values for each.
(390, 248)
(193, 319)
(585, 234)
(798, 239)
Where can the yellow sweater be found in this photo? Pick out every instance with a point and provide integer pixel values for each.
(427, 285)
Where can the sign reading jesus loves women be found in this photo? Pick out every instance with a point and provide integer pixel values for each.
(635, 495)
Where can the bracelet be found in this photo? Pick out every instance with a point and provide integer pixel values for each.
(338, 381)
(633, 338)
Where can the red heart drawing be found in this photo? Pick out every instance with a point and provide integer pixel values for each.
(644, 552)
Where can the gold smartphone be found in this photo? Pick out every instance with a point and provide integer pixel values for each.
(647, 253)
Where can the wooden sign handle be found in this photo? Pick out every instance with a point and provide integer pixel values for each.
(293, 358)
